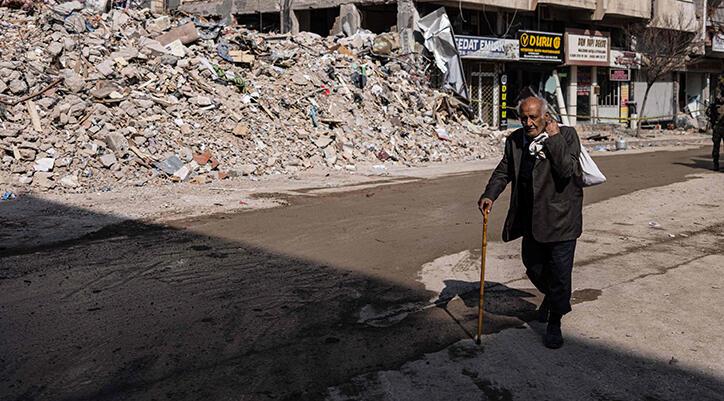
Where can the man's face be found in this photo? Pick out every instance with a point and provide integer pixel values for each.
(531, 117)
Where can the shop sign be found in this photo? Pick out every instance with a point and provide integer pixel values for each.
(585, 47)
(623, 102)
(717, 42)
(624, 59)
(540, 46)
(478, 47)
(503, 101)
(619, 75)
(584, 83)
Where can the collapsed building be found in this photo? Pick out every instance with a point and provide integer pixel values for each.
(94, 102)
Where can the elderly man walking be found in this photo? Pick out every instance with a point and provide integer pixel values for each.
(716, 119)
(541, 160)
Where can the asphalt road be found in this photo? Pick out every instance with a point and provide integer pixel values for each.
(271, 304)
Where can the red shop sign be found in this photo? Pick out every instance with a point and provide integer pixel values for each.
(620, 75)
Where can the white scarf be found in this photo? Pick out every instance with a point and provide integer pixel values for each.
(536, 147)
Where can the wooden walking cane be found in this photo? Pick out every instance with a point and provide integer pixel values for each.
(481, 302)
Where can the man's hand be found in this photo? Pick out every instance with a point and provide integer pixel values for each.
(485, 205)
(552, 128)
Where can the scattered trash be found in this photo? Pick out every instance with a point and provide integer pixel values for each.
(655, 225)
(314, 115)
(621, 144)
(597, 137)
(359, 76)
(7, 195)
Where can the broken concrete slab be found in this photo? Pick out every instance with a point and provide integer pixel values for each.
(108, 160)
(45, 164)
(186, 33)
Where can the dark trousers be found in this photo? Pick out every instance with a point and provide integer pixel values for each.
(549, 267)
(717, 134)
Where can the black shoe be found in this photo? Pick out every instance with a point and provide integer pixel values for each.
(543, 311)
(554, 337)
(716, 166)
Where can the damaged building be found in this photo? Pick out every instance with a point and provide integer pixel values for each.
(577, 53)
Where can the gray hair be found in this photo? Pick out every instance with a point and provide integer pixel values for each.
(543, 103)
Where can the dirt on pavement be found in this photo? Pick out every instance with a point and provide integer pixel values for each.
(268, 304)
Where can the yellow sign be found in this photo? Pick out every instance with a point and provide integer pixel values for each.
(540, 46)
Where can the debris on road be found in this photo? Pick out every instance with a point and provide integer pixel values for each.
(655, 225)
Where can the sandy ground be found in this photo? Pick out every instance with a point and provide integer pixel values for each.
(330, 296)
(648, 288)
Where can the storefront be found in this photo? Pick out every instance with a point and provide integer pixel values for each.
(540, 53)
(696, 85)
(587, 51)
(483, 60)
(614, 83)
(716, 79)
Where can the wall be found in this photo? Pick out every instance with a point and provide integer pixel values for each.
(624, 8)
(661, 98)
(675, 14)
(585, 4)
(528, 5)
(696, 90)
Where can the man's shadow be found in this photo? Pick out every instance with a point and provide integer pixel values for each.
(504, 307)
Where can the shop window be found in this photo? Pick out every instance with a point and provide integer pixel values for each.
(609, 90)
(584, 94)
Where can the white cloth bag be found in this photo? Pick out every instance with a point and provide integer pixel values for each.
(590, 171)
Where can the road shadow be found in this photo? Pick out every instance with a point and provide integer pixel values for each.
(150, 312)
(702, 162)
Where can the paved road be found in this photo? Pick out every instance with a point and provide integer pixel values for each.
(271, 304)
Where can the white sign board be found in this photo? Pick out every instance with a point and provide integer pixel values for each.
(585, 49)
(717, 43)
(478, 47)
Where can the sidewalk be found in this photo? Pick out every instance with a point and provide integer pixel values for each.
(648, 142)
(645, 321)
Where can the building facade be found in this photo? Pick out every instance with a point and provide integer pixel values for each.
(578, 54)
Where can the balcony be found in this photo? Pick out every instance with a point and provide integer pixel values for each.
(623, 8)
(675, 14)
(582, 4)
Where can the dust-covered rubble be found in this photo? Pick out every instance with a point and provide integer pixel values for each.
(92, 102)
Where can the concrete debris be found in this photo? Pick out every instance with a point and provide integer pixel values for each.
(95, 101)
(185, 34)
(70, 181)
(171, 165)
(45, 164)
(108, 160)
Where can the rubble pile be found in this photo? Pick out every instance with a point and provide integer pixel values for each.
(96, 101)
